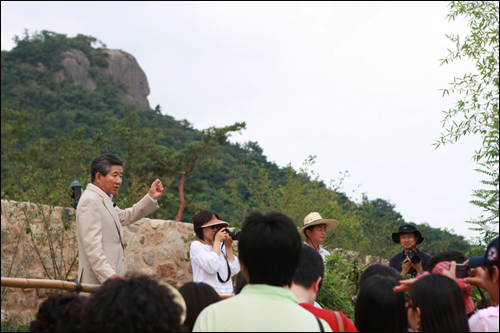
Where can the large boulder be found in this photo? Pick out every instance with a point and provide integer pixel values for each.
(123, 69)
(76, 66)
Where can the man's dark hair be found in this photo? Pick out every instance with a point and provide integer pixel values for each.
(310, 267)
(200, 219)
(135, 304)
(441, 304)
(197, 295)
(269, 247)
(103, 164)
(381, 270)
(456, 256)
(378, 308)
(240, 282)
(59, 313)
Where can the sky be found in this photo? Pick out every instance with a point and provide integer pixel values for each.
(356, 84)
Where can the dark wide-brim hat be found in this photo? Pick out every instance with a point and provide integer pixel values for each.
(407, 229)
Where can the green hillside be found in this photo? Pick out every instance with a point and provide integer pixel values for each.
(51, 130)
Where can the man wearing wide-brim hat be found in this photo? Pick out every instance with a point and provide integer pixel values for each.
(315, 228)
(411, 260)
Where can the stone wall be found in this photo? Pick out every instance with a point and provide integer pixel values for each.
(157, 248)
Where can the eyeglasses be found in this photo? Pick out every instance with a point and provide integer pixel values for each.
(320, 229)
(409, 304)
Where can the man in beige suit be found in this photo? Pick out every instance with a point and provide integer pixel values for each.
(99, 222)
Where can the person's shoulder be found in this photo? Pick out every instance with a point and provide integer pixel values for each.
(394, 257)
(490, 311)
(425, 254)
(196, 244)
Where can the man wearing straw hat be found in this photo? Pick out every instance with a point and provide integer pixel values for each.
(314, 229)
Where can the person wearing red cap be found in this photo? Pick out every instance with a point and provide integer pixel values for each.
(485, 275)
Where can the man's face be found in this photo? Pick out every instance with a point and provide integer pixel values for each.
(110, 183)
(408, 241)
(318, 233)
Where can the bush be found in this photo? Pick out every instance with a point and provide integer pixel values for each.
(339, 284)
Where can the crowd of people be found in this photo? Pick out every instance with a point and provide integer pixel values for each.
(272, 283)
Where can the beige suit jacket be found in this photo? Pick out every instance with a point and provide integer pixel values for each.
(100, 236)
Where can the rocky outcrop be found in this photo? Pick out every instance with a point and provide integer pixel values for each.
(123, 69)
(76, 67)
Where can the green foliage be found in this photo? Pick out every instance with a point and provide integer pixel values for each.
(477, 112)
(8, 327)
(339, 284)
(380, 219)
(144, 149)
(39, 172)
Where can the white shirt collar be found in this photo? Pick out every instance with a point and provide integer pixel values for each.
(109, 196)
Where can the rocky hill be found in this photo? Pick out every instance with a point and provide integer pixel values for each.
(122, 69)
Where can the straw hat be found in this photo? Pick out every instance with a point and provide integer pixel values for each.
(177, 298)
(315, 219)
(215, 221)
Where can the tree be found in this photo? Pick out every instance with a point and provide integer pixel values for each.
(477, 110)
(301, 194)
(145, 152)
(37, 173)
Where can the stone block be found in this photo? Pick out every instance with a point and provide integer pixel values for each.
(155, 238)
(149, 257)
(12, 299)
(30, 301)
(165, 252)
(165, 270)
(175, 238)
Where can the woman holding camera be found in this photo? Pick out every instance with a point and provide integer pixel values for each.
(212, 256)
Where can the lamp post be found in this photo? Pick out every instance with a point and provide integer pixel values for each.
(77, 190)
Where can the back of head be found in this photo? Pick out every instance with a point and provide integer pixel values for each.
(59, 313)
(310, 267)
(197, 295)
(269, 247)
(456, 256)
(103, 163)
(381, 270)
(441, 304)
(137, 303)
(378, 308)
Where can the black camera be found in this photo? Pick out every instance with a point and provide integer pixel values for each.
(235, 235)
(414, 258)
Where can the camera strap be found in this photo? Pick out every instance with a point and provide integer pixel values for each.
(228, 268)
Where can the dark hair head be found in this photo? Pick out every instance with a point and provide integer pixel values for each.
(310, 267)
(240, 282)
(197, 295)
(135, 304)
(381, 270)
(103, 164)
(378, 308)
(441, 304)
(200, 219)
(456, 256)
(272, 236)
(59, 313)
